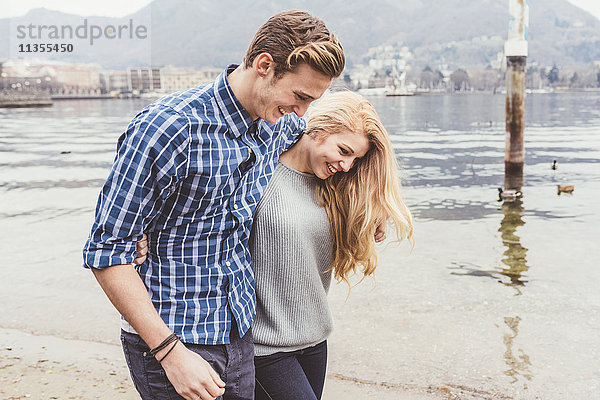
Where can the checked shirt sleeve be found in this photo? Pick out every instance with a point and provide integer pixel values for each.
(291, 128)
(152, 157)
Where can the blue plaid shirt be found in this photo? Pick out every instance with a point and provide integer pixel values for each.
(189, 171)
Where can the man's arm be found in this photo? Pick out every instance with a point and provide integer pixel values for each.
(189, 373)
(152, 156)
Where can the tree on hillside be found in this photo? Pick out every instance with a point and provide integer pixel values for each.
(574, 79)
(482, 78)
(553, 75)
(3, 83)
(429, 79)
(426, 80)
(586, 78)
(460, 80)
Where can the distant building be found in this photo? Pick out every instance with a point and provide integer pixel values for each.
(144, 79)
(174, 79)
(116, 81)
(386, 68)
(56, 77)
(392, 57)
(77, 79)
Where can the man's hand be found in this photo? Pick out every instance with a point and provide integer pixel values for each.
(141, 249)
(188, 372)
(191, 376)
(380, 232)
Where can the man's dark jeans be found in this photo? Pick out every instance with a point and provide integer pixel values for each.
(297, 375)
(233, 362)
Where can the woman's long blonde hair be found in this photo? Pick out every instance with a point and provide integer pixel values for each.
(358, 201)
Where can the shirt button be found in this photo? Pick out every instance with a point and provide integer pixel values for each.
(235, 206)
(228, 263)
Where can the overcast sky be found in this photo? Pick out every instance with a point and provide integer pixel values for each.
(120, 8)
(591, 6)
(105, 8)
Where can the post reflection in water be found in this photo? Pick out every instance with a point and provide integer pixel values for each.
(515, 260)
(515, 254)
(518, 365)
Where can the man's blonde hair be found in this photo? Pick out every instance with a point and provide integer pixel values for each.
(359, 200)
(294, 37)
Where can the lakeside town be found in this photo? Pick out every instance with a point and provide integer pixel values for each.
(391, 70)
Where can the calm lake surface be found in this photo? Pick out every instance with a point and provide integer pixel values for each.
(495, 301)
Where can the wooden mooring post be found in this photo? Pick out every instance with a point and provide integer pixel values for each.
(515, 50)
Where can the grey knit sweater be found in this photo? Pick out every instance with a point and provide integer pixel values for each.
(290, 245)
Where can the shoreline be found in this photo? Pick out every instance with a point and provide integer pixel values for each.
(49, 367)
(35, 101)
(492, 302)
(37, 366)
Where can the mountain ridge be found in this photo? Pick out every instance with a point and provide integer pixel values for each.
(197, 33)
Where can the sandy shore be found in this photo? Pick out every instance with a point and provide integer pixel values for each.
(439, 323)
(48, 367)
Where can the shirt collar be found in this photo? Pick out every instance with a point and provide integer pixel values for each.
(237, 118)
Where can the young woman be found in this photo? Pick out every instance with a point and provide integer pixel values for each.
(317, 218)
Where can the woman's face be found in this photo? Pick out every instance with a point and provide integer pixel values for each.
(336, 153)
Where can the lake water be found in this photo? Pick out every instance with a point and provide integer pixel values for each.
(495, 301)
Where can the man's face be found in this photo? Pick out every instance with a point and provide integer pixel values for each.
(292, 92)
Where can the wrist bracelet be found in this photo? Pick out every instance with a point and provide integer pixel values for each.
(167, 353)
(170, 339)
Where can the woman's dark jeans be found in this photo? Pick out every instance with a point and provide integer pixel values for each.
(297, 375)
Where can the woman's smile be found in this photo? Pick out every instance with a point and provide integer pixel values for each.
(331, 168)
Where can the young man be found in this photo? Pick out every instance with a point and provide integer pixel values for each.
(189, 172)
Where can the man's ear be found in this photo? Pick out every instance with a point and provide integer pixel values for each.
(264, 65)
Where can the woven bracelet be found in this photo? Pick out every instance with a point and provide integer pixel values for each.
(170, 339)
(167, 353)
